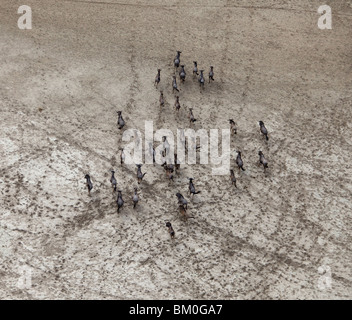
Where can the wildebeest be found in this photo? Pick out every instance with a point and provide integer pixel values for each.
(122, 156)
(195, 68)
(119, 200)
(177, 59)
(113, 180)
(140, 175)
(211, 73)
(181, 200)
(177, 164)
(239, 161)
(174, 85)
(263, 130)
(201, 79)
(157, 78)
(161, 99)
(166, 146)
(233, 126)
(177, 104)
(191, 187)
(135, 198)
(120, 121)
(169, 169)
(170, 229)
(182, 73)
(262, 160)
(89, 183)
(191, 117)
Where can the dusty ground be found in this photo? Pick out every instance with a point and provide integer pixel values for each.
(61, 84)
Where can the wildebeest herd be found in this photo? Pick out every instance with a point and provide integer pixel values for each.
(174, 167)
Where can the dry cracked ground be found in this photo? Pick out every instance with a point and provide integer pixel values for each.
(285, 234)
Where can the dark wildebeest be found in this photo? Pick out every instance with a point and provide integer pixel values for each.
(170, 228)
(263, 130)
(174, 84)
(195, 68)
(201, 79)
(177, 164)
(262, 160)
(135, 198)
(191, 117)
(191, 187)
(140, 175)
(113, 180)
(233, 126)
(177, 59)
(119, 201)
(166, 146)
(161, 99)
(182, 73)
(181, 200)
(169, 169)
(89, 183)
(122, 156)
(157, 78)
(239, 161)
(120, 121)
(177, 104)
(211, 73)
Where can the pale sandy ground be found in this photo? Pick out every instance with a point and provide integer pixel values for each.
(84, 60)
